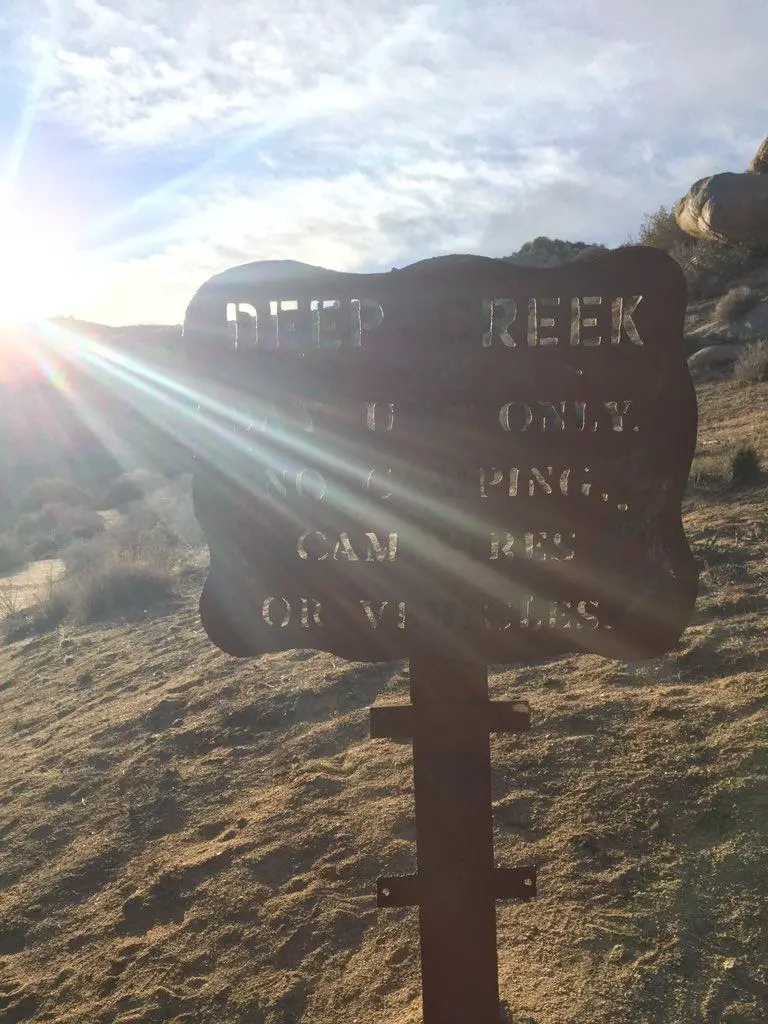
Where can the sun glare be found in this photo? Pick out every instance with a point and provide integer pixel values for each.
(36, 270)
(36, 273)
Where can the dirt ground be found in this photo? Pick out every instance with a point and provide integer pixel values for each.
(186, 837)
(23, 589)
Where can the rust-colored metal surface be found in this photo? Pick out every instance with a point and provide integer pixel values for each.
(456, 885)
(462, 462)
(463, 457)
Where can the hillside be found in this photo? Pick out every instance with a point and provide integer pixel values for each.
(191, 838)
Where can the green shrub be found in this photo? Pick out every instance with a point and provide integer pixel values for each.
(553, 252)
(660, 230)
(745, 467)
(709, 267)
(752, 365)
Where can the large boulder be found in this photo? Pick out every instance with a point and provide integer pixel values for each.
(731, 208)
(712, 356)
(759, 164)
(752, 325)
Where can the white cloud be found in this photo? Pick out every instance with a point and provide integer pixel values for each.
(158, 72)
(360, 135)
(356, 221)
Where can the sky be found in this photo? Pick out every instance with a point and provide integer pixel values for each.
(148, 144)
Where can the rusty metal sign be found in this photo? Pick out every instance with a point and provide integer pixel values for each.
(461, 462)
(462, 456)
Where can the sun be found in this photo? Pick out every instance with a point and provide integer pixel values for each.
(36, 280)
(36, 269)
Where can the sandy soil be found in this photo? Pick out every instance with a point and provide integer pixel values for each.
(23, 589)
(186, 837)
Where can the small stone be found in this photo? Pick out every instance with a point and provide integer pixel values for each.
(730, 963)
(69, 660)
(623, 679)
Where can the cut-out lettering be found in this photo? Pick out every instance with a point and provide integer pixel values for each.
(311, 484)
(373, 611)
(375, 484)
(378, 549)
(315, 546)
(584, 320)
(300, 325)
(617, 412)
(379, 416)
(542, 320)
(310, 612)
(558, 416)
(500, 315)
(515, 417)
(622, 322)
(308, 483)
(489, 478)
(535, 613)
(343, 550)
(540, 546)
(518, 481)
(276, 611)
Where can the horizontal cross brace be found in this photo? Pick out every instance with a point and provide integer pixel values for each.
(395, 721)
(508, 883)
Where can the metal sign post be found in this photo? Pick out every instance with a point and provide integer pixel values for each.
(461, 463)
(456, 886)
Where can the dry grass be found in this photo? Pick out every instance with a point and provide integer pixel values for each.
(11, 555)
(735, 304)
(126, 569)
(115, 588)
(744, 423)
(752, 365)
(10, 599)
(191, 838)
(112, 589)
(51, 490)
(46, 531)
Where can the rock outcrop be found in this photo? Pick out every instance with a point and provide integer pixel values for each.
(753, 325)
(730, 208)
(712, 356)
(759, 164)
